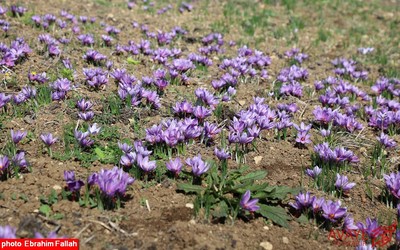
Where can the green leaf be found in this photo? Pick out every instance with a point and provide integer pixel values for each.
(58, 216)
(220, 210)
(100, 153)
(253, 188)
(45, 209)
(280, 192)
(302, 219)
(189, 188)
(277, 214)
(257, 175)
(130, 60)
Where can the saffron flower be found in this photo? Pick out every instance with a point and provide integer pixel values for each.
(48, 139)
(145, 164)
(303, 201)
(313, 173)
(199, 167)
(342, 183)
(18, 135)
(333, 211)
(393, 183)
(371, 228)
(7, 232)
(73, 185)
(247, 204)
(4, 163)
(174, 165)
(111, 182)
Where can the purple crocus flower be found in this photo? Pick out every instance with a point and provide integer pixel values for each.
(94, 129)
(313, 173)
(128, 159)
(7, 232)
(303, 201)
(371, 228)
(222, 154)
(174, 165)
(317, 204)
(386, 141)
(303, 137)
(83, 138)
(86, 116)
(112, 182)
(332, 211)
(4, 99)
(48, 139)
(393, 183)
(348, 225)
(73, 185)
(247, 204)
(4, 163)
(84, 105)
(19, 160)
(145, 164)
(199, 167)
(18, 135)
(342, 183)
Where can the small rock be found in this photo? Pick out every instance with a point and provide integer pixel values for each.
(36, 211)
(57, 187)
(189, 205)
(266, 245)
(258, 159)
(285, 240)
(193, 222)
(242, 102)
(266, 227)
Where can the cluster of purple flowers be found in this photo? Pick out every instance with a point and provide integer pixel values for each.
(172, 132)
(51, 44)
(249, 123)
(96, 77)
(46, 20)
(111, 30)
(26, 93)
(296, 55)
(95, 57)
(73, 185)
(338, 155)
(86, 39)
(18, 10)
(292, 73)
(247, 63)
(14, 54)
(84, 139)
(39, 78)
(17, 164)
(60, 89)
(137, 92)
(161, 55)
(331, 211)
(84, 107)
(164, 9)
(346, 67)
(136, 156)
(112, 183)
(383, 84)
